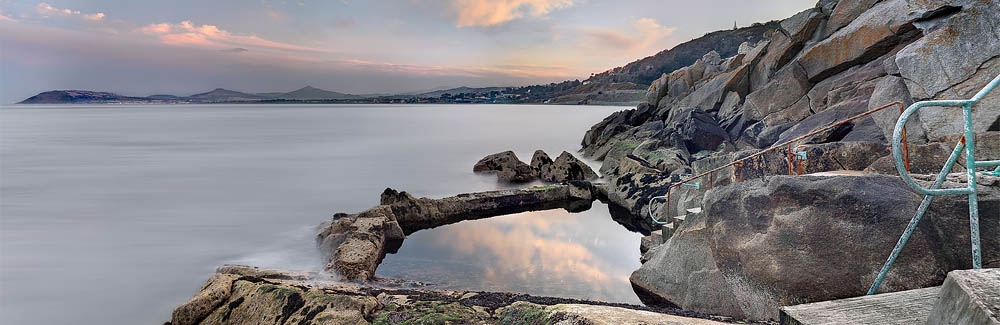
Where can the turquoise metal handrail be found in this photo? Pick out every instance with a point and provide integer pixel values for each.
(968, 145)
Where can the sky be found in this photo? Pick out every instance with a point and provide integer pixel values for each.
(184, 47)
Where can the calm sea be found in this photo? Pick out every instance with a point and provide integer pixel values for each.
(116, 214)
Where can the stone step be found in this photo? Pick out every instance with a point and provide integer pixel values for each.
(904, 307)
(667, 231)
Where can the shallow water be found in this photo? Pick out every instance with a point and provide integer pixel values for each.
(583, 255)
(116, 214)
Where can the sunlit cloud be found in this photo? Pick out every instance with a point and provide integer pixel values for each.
(187, 33)
(5, 18)
(645, 35)
(47, 10)
(494, 12)
(517, 71)
(523, 247)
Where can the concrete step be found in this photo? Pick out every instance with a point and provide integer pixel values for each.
(904, 307)
(681, 217)
(968, 297)
(694, 210)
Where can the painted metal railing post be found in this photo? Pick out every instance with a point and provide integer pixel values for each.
(970, 166)
(969, 144)
(959, 148)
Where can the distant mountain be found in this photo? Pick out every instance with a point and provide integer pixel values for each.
(78, 97)
(224, 95)
(312, 93)
(459, 90)
(164, 97)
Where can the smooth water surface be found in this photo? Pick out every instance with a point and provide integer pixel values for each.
(583, 255)
(116, 214)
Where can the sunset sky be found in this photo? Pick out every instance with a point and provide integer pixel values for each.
(361, 47)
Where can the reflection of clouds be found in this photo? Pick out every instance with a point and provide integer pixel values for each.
(531, 246)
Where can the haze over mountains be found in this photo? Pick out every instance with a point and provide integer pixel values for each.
(625, 85)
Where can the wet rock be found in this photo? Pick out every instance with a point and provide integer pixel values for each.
(356, 244)
(788, 240)
(507, 167)
(422, 213)
(566, 168)
(540, 160)
(213, 294)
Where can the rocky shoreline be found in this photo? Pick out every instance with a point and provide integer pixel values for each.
(242, 295)
(810, 221)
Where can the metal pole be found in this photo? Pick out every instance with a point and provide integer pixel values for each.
(916, 217)
(970, 168)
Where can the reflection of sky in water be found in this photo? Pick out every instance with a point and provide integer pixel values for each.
(554, 253)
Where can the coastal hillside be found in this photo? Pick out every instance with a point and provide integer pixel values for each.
(825, 90)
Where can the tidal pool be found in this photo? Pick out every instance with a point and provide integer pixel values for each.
(584, 255)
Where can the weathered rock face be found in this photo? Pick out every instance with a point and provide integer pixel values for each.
(874, 33)
(954, 60)
(507, 167)
(565, 168)
(248, 295)
(356, 244)
(789, 240)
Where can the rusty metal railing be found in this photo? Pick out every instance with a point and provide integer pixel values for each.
(793, 160)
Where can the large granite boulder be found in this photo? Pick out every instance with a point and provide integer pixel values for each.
(874, 33)
(955, 60)
(789, 240)
(507, 167)
(566, 168)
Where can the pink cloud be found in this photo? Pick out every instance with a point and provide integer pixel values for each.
(645, 36)
(187, 33)
(47, 10)
(495, 12)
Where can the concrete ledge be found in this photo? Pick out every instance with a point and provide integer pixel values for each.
(904, 307)
(969, 297)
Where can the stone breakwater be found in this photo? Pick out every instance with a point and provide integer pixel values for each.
(355, 244)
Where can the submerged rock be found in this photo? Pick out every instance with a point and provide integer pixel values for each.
(507, 167)
(422, 213)
(566, 168)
